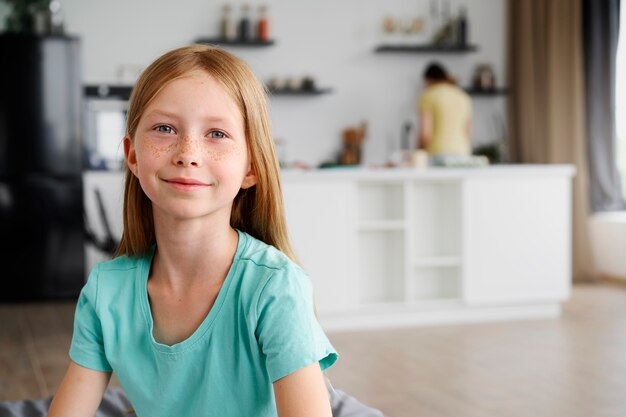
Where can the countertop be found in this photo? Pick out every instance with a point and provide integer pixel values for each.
(492, 171)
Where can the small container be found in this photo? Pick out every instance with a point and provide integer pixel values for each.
(228, 29)
(419, 159)
(57, 25)
(41, 21)
(263, 25)
(484, 78)
(277, 83)
(462, 28)
(294, 83)
(245, 25)
(308, 84)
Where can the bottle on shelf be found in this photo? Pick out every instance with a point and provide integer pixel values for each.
(245, 26)
(262, 28)
(462, 27)
(228, 29)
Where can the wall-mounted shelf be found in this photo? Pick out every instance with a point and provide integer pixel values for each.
(301, 92)
(108, 91)
(426, 48)
(499, 91)
(235, 42)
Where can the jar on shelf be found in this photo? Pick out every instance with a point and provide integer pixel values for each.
(228, 29)
(263, 25)
(245, 25)
(484, 77)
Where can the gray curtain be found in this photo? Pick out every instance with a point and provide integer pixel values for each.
(600, 36)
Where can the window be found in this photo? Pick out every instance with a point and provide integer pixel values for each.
(620, 100)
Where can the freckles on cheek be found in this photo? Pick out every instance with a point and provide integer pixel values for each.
(218, 155)
(156, 151)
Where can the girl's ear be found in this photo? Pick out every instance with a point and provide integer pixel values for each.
(130, 155)
(250, 179)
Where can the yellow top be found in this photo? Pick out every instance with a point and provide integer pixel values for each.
(451, 110)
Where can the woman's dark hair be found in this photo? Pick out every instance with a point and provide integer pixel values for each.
(435, 72)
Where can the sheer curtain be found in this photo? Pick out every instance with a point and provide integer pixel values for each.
(547, 107)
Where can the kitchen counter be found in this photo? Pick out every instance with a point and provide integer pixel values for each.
(395, 247)
(365, 173)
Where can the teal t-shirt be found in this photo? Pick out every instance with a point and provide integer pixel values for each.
(261, 328)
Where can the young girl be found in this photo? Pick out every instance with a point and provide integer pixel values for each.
(203, 311)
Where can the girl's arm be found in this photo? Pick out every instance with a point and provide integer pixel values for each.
(303, 394)
(79, 393)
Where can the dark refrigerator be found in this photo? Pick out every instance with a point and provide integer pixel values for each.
(41, 188)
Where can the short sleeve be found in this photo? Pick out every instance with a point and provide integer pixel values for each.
(87, 348)
(424, 103)
(287, 330)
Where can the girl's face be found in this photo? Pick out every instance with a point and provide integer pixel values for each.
(189, 151)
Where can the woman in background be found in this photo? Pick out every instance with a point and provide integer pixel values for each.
(445, 115)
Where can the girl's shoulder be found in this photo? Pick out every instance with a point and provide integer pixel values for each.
(262, 268)
(262, 255)
(122, 263)
(120, 270)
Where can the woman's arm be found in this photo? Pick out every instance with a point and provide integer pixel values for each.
(426, 129)
(468, 130)
(303, 394)
(79, 393)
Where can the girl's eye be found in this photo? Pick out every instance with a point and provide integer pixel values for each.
(164, 129)
(216, 134)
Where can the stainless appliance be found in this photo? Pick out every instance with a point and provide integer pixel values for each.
(41, 188)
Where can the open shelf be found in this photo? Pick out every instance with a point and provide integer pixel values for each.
(235, 42)
(437, 221)
(381, 203)
(498, 91)
(106, 91)
(426, 48)
(300, 92)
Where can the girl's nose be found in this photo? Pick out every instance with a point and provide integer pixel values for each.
(188, 154)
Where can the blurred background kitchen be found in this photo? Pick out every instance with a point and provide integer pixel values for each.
(438, 274)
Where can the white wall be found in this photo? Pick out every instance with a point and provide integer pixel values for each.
(333, 41)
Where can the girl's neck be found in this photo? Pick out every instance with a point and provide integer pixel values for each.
(188, 256)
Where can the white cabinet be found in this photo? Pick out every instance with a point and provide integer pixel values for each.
(518, 240)
(320, 220)
(398, 247)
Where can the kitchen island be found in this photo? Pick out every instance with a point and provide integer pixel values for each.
(398, 247)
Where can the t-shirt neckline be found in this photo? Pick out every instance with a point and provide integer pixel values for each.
(204, 327)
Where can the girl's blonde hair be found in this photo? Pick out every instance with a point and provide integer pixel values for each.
(257, 210)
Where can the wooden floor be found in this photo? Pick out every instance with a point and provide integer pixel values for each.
(572, 366)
